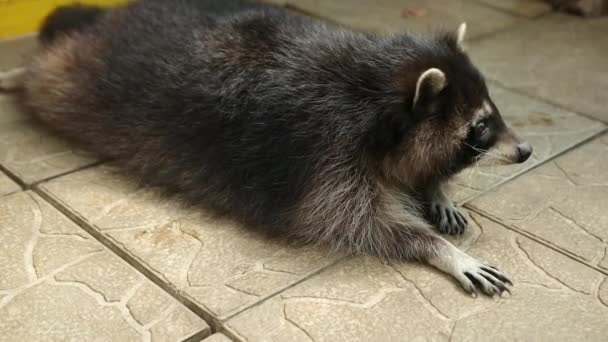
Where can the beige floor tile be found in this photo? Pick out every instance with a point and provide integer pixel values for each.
(549, 129)
(9, 109)
(14, 52)
(217, 338)
(30, 151)
(386, 15)
(559, 58)
(563, 202)
(7, 186)
(58, 284)
(217, 264)
(362, 299)
(526, 8)
(33, 153)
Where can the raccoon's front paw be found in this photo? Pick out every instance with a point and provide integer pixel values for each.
(447, 218)
(485, 278)
(473, 275)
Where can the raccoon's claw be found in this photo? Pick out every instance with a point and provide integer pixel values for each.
(472, 274)
(486, 279)
(447, 218)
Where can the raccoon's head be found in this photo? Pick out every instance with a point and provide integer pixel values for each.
(456, 123)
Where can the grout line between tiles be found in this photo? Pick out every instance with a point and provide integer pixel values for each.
(233, 335)
(506, 11)
(199, 336)
(537, 239)
(215, 323)
(14, 177)
(81, 168)
(173, 292)
(25, 186)
(273, 294)
(295, 8)
(524, 171)
(545, 100)
(488, 35)
(301, 11)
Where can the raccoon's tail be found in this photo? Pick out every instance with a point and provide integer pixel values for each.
(65, 19)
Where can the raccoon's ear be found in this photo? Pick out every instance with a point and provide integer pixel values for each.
(429, 85)
(460, 33)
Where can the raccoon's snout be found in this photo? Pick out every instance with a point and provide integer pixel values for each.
(509, 149)
(524, 151)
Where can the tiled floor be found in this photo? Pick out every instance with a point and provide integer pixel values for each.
(58, 282)
(366, 300)
(218, 265)
(86, 255)
(15, 50)
(557, 58)
(564, 204)
(551, 130)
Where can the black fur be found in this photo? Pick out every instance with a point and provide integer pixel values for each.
(67, 19)
(245, 109)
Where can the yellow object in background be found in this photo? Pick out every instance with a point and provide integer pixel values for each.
(24, 16)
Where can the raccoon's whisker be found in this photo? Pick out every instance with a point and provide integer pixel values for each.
(472, 171)
(495, 156)
(477, 149)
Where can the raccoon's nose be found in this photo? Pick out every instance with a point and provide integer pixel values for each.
(524, 151)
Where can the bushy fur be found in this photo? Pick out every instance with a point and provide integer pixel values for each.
(282, 122)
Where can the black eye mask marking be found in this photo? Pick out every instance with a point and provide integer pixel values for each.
(481, 132)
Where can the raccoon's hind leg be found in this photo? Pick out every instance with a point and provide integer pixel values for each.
(12, 79)
(442, 213)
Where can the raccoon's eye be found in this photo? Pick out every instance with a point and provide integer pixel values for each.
(481, 130)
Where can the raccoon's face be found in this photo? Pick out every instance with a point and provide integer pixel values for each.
(457, 124)
(490, 139)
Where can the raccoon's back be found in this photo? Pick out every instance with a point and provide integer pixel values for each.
(165, 95)
(117, 78)
(150, 70)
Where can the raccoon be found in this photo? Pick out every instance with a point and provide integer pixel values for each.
(286, 124)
